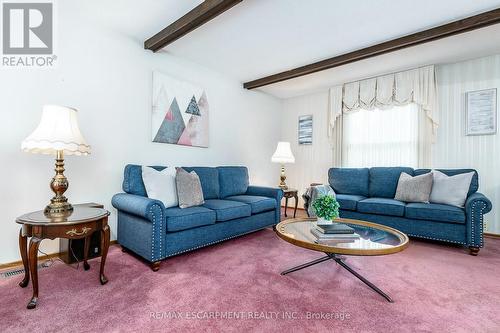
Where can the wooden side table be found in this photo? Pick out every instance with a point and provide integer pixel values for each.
(82, 222)
(291, 193)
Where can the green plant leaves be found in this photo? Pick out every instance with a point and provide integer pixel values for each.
(326, 207)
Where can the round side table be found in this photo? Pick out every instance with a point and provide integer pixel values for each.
(82, 222)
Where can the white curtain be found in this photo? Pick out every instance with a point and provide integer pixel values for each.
(414, 86)
(384, 137)
(417, 86)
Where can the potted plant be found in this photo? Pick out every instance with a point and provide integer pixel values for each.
(326, 209)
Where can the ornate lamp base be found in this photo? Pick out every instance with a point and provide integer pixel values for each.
(282, 184)
(56, 208)
(59, 203)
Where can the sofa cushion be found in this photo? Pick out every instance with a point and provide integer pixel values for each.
(349, 180)
(233, 180)
(187, 218)
(349, 201)
(160, 185)
(382, 206)
(259, 204)
(188, 189)
(384, 181)
(474, 184)
(435, 212)
(414, 189)
(450, 190)
(132, 179)
(209, 178)
(228, 210)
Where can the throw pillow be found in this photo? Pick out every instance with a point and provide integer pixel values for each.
(189, 189)
(160, 185)
(450, 190)
(414, 189)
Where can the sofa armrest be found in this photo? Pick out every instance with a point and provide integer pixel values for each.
(475, 207)
(270, 192)
(144, 207)
(141, 225)
(478, 201)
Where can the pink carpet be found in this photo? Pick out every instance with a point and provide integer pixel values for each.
(436, 288)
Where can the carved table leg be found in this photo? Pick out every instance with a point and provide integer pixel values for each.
(33, 263)
(23, 244)
(286, 205)
(296, 203)
(104, 250)
(86, 247)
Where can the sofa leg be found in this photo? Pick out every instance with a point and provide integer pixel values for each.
(124, 249)
(473, 251)
(155, 266)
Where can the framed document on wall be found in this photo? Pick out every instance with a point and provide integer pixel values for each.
(481, 112)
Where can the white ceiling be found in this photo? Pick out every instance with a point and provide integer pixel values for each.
(257, 38)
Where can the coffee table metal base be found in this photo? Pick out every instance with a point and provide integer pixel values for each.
(339, 260)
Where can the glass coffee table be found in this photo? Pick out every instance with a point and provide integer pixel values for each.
(374, 240)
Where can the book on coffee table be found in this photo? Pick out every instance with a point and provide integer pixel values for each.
(335, 228)
(322, 237)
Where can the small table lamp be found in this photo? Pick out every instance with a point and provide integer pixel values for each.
(282, 155)
(58, 134)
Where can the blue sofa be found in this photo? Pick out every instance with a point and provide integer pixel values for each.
(232, 208)
(368, 194)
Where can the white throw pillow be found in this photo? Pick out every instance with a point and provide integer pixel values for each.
(450, 190)
(160, 185)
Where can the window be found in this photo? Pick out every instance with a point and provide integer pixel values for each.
(388, 137)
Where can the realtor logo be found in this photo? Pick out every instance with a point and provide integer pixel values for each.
(28, 29)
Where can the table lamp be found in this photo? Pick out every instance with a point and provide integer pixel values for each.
(58, 134)
(283, 155)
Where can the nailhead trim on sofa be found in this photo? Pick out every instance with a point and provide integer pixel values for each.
(481, 239)
(437, 239)
(153, 218)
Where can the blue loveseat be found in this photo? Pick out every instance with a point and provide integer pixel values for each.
(368, 194)
(232, 208)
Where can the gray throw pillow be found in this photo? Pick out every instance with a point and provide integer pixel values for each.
(188, 189)
(450, 190)
(414, 189)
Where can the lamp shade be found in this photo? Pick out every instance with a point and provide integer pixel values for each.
(283, 153)
(58, 131)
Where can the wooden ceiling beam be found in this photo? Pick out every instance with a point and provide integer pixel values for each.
(446, 30)
(198, 16)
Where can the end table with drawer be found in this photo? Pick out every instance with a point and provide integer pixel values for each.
(82, 222)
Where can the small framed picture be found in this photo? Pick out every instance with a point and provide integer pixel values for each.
(481, 112)
(306, 130)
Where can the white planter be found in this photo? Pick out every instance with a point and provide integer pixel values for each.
(322, 221)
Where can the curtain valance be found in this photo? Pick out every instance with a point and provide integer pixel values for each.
(414, 86)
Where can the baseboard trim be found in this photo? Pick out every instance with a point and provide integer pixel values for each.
(42, 257)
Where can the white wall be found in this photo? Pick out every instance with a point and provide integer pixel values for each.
(108, 77)
(311, 161)
(452, 149)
